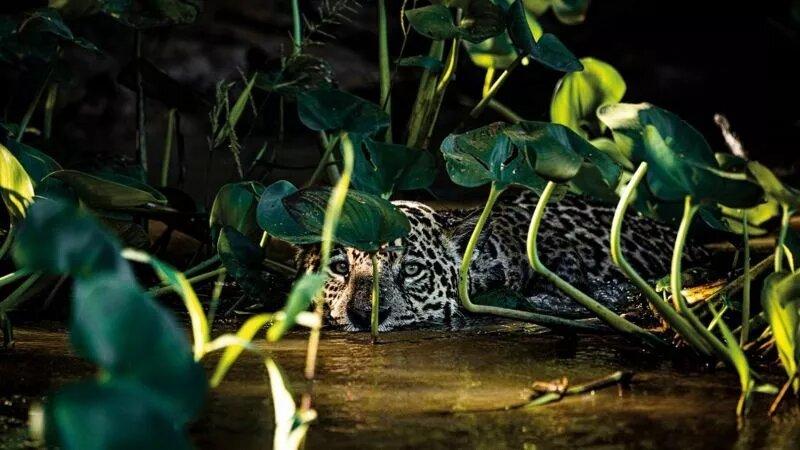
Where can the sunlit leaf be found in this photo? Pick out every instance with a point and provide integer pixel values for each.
(291, 424)
(16, 187)
(779, 299)
(35, 162)
(783, 194)
(245, 334)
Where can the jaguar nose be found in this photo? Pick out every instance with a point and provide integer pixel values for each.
(360, 314)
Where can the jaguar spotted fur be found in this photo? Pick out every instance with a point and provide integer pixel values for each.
(419, 281)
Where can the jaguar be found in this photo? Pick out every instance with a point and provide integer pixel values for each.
(419, 273)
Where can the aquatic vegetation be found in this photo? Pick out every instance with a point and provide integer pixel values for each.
(151, 383)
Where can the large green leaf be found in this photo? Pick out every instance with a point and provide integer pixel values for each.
(235, 205)
(330, 109)
(783, 194)
(482, 20)
(304, 291)
(525, 154)
(58, 238)
(273, 217)
(579, 94)
(121, 329)
(110, 191)
(35, 162)
(16, 187)
(382, 168)
(366, 222)
(95, 415)
(547, 50)
(243, 261)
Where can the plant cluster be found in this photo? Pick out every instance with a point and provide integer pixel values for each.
(633, 155)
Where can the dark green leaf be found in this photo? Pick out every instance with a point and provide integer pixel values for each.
(300, 73)
(547, 50)
(482, 20)
(382, 168)
(110, 191)
(330, 109)
(273, 217)
(235, 205)
(36, 163)
(426, 62)
(143, 14)
(434, 22)
(243, 261)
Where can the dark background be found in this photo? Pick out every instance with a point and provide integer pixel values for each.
(691, 57)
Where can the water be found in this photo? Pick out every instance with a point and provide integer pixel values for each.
(426, 389)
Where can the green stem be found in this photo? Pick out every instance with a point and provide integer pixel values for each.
(606, 315)
(779, 245)
(16, 297)
(202, 266)
(168, 144)
(498, 83)
(744, 336)
(195, 279)
(463, 281)
(141, 118)
(216, 293)
(505, 111)
(383, 62)
(676, 282)
(375, 297)
(330, 144)
(49, 108)
(678, 323)
(297, 30)
(26, 119)
(7, 241)
(419, 121)
(13, 276)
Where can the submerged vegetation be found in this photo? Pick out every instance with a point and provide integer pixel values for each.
(150, 383)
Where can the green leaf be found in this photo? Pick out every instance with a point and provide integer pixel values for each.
(494, 53)
(382, 168)
(142, 14)
(49, 21)
(366, 222)
(291, 424)
(57, 238)
(120, 414)
(110, 191)
(235, 205)
(434, 22)
(579, 94)
(300, 73)
(16, 187)
(36, 163)
(121, 329)
(426, 62)
(482, 20)
(778, 298)
(303, 293)
(243, 260)
(785, 195)
(330, 109)
(232, 352)
(547, 50)
(273, 217)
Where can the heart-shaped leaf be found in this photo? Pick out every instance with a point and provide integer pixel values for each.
(434, 22)
(579, 94)
(273, 217)
(110, 191)
(330, 109)
(235, 205)
(547, 50)
(382, 168)
(482, 20)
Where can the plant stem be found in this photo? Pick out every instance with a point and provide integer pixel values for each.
(195, 279)
(330, 144)
(487, 81)
(141, 119)
(779, 244)
(383, 62)
(773, 407)
(419, 121)
(744, 336)
(168, 144)
(26, 119)
(332, 212)
(498, 83)
(297, 30)
(463, 281)
(505, 111)
(216, 293)
(375, 297)
(606, 315)
(49, 108)
(16, 297)
(13, 276)
(202, 266)
(678, 323)
(8, 240)
(676, 282)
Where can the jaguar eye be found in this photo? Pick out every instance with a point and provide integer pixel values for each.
(340, 267)
(411, 268)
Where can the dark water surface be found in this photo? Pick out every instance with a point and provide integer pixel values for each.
(425, 389)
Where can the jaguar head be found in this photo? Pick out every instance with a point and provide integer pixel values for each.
(418, 276)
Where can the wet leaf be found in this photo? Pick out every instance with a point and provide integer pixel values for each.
(579, 94)
(330, 109)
